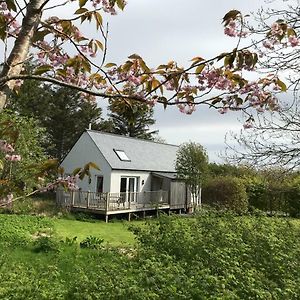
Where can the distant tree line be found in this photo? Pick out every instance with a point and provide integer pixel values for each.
(65, 114)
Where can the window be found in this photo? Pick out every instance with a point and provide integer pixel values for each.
(99, 187)
(122, 155)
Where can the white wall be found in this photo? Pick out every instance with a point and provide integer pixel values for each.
(83, 152)
(116, 180)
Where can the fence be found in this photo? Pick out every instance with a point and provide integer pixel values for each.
(112, 201)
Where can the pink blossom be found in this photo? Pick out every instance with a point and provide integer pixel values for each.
(223, 110)
(293, 40)
(276, 29)
(8, 199)
(134, 79)
(269, 44)
(186, 108)
(5, 147)
(69, 182)
(13, 157)
(230, 29)
(3, 6)
(248, 125)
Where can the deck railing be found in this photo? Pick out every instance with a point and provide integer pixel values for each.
(112, 201)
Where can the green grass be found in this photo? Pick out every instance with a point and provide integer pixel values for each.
(115, 234)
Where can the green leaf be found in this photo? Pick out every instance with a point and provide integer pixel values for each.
(11, 5)
(155, 84)
(99, 44)
(240, 59)
(82, 3)
(121, 4)
(61, 171)
(232, 14)
(222, 55)
(110, 65)
(126, 67)
(282, 85)
(93, 166)
(255, 59)
(98, 19)
(134, 56)
(144, 66)
(42, 69)
(196, 60)
(216, 100)
(1, 165)
(199, 69)
(3, 32)
(76, 171)
(40, 35)
(162, 67)
(229, 59)
(165, 102)
(291, 32)
(80, 11)
(86, 66)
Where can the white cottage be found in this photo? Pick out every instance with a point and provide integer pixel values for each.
(132, 171)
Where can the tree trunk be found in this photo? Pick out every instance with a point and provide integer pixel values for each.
(19, 52)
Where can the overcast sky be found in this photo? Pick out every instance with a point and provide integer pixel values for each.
(164, 30)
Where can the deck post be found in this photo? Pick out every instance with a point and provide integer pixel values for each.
(106, 203)
(144, 214)
(73, 199)
(106, 218)
(88, 199)
(129, 217)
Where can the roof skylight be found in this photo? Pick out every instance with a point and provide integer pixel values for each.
(122, 155)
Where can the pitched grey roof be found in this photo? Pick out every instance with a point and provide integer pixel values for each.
(144, 155)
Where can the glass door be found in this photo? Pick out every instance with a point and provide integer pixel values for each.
(129, 188)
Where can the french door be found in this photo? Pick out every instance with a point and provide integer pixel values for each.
(129, 188)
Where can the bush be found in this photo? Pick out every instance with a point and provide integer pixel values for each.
(281, 198)
(226, 193)
(45, 244)
(19, 229)
(223, 256)
(91, 242)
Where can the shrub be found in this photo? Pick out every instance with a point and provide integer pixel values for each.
(91, 242)
(223, 256)
(45, 244)
(226, 193)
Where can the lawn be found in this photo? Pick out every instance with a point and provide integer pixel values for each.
(211, 256)
(115, 234)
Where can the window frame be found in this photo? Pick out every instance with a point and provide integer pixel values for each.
(119, 153)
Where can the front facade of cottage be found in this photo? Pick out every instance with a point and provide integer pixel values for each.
(133, 172)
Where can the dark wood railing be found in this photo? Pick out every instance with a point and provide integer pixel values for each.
(112, 201)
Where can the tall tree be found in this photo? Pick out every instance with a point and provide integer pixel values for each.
(192, 166)
(20, 153)
(131, 118)
(62, 111)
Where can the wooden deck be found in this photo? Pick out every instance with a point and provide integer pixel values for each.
(108, 204)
